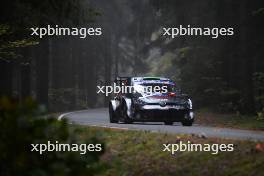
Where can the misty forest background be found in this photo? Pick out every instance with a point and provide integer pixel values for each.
(224, 74)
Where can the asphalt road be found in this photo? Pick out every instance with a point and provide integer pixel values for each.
(99, 117)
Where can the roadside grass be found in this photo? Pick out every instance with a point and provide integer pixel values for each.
(205, 117)
(141, 153)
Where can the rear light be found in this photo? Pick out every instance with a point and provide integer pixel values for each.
(172, 94)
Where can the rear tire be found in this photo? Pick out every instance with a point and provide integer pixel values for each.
(187, 120)
(112, 117)
(125, 117)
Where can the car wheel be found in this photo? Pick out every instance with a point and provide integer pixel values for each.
(168, 123)
(125, 117)
(187, 123)
(112, 116)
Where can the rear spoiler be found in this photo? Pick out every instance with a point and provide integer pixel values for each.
(122, 78)
(126, 80)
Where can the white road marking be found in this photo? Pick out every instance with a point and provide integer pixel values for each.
(68, 113)
(62, 115)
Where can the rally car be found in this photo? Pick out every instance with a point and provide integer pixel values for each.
(153, 99)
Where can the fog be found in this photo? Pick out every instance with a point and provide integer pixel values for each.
(62, 72)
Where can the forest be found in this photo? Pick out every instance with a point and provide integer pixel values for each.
(61, 72)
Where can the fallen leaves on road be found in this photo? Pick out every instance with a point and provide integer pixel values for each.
(259, 147)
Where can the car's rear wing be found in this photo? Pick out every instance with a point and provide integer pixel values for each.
(124, 80)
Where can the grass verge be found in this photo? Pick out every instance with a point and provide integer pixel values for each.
(203, 117)
(140, 153)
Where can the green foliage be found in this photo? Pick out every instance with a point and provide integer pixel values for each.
(229, 100)
(259, 12)
(4, 29)
(8, 43)
(62, 99)
(258, 79)
(215, 73)
(22, 124)
(21, 13)
(18, 16)
(20, 43)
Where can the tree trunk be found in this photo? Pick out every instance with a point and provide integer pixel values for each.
(6, 78)
(42, 69)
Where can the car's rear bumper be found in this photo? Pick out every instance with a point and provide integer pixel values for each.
(161, 108)
(164, 114)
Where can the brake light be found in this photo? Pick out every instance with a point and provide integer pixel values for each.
(172, 94)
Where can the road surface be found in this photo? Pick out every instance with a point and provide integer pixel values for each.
(99, 117)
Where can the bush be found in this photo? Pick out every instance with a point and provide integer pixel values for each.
(22, 124)
(258, 80)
